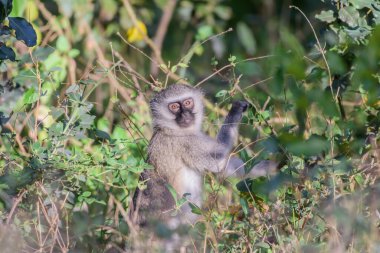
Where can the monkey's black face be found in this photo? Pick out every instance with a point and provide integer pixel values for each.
(183, 111)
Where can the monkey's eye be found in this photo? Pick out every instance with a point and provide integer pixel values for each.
(174, 107)
(188, 103)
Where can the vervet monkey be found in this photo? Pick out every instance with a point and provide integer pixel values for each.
(180, 153)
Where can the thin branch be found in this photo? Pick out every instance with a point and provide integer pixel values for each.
(320, 49)
(15, 204)
(231, 65)
(161, 31)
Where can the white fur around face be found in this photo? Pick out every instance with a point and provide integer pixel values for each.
(163, 118)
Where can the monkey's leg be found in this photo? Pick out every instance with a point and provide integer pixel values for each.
(228, 133)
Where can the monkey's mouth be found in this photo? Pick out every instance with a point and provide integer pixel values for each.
(185, 119)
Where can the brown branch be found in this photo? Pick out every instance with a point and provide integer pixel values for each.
(160, 62)
(134, 20)
(17, 138)
(161, 31)
(231, 65)
(15, 204)
(103, 61)
(213, 74)
(50, 17)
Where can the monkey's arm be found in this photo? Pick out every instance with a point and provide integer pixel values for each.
(210, 155)
(213, 155)
(228, 133)
(235, 167)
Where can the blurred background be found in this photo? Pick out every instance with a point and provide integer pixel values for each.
(75, 121)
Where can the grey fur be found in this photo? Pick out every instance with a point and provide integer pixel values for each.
(180, 156)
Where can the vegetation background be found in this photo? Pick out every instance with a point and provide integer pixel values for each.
(76, 78)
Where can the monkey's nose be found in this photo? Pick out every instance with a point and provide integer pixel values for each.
(187, 118)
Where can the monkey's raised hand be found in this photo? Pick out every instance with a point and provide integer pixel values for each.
(239, 105)
(229, 131)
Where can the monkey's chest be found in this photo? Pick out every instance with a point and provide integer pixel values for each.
(188, 181)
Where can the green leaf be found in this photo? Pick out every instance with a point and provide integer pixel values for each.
(349, 15)
(358, 32)
(263, 245)
(246, 38)
(359, 179)
(315, 145)
(182, 65)
(18, 8)
(315, 75)
(336, 63)
(119, 133)
(56, 129)
(86, 194)
(172, 191)
(174, 69)
(30, 96)
(244, 205)
(5, 9)
(7, 53)
(24, 31)
(109, 9)
(74, 53)
(223, 12)
(160, 3)
(74, 88)
(181, 201)
(360, 4)
(221, 93)
(232, 60)
(195, 209)
(204, 32)
(63, 44)
(131, 161)
(326, 16)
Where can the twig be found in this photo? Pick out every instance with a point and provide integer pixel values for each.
(320, 49)
(125, 215)
(160, 62)
(15, 204)
(258, 82)
(17, 138)
(231, 65)
(147, 40)
(161, 31)
(213, 74)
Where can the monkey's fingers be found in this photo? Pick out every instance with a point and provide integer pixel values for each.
(240, 105)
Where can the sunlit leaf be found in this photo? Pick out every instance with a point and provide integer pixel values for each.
(326, 16)
(359, 4)
(63, 44)
(30, 96)
(349, 15)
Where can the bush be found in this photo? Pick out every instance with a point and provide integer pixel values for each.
(74, 120)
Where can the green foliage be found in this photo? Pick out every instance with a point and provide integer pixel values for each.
(23, 30)
(74, 121)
